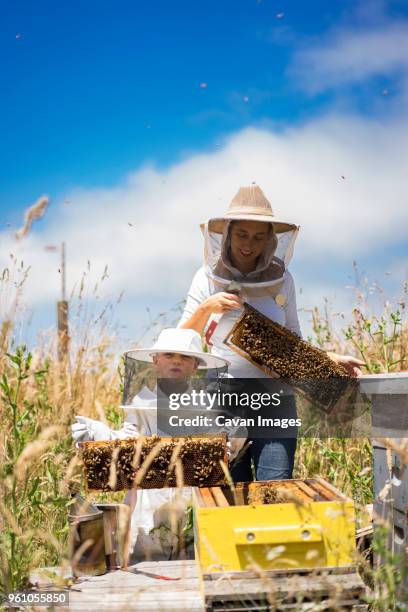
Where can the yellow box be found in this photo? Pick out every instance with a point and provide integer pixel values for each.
(311, 525)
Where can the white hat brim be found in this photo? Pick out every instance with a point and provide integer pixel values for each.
(217, 224)
(210, 361)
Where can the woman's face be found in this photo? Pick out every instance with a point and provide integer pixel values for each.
(248, 241)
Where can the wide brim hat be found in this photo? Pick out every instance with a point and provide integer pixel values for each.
(249, 204)
(182, 341)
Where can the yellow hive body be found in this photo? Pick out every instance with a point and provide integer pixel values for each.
(310, 525)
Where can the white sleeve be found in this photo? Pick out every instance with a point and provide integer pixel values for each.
(198, 292)
(292, 321)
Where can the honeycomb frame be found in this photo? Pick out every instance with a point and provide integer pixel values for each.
(301, 365)
(150, 462)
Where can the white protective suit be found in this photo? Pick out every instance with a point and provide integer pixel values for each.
(260, 288)
(153, 510)
(158, 515)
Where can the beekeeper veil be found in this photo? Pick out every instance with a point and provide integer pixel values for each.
(250, 204)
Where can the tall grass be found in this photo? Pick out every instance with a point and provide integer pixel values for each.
(41, 396)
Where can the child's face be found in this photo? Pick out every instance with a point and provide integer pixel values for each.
(174, 365)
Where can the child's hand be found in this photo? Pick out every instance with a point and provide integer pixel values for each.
(129, 430)
(88, 429)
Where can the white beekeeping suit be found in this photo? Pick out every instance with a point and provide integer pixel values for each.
(157, 515)
(269, 287)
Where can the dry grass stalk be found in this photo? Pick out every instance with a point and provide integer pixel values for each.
(71, 480)
(34, 212)
(401, 448)
(113, 469)
(36, 448)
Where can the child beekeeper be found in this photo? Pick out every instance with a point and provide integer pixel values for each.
(158, 515)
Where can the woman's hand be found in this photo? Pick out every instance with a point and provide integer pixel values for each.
(350, 363)
(222, 302)
(217, 303)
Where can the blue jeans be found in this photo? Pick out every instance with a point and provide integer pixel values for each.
(273, 460)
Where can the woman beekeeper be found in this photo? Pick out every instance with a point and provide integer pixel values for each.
(158, 515)
(247, 252)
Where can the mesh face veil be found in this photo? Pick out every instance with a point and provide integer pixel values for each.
(271, 265)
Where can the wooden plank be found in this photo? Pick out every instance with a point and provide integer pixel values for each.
(184, 569)
(209, 501)
(271, 574)
(178, 563)
(293, 490)
(241, 493)
(321, 489)
(313, 495)
(199, 497)
(134, 580)
(328, 486)
(263, 606)
(348, 585)
(189, 585)
(219, 497)
(140, 588)
(139, 601)
(311, 489)
(364, 531)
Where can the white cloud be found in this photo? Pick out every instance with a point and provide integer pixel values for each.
(300, 171)
(350, 56)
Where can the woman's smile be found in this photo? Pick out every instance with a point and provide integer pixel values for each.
(248, 241)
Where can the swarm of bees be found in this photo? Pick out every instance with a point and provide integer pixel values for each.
(265, 494)
(150, 462)
(273, 347)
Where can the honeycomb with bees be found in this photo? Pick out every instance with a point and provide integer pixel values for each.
(272, 347)
(152, 462)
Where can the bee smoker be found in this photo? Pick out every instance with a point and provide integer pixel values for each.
(111, 531)
(86, 538)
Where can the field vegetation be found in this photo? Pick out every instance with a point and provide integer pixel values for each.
(40, 396)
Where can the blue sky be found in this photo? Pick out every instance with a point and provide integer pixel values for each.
(84, 81)
(93, 93)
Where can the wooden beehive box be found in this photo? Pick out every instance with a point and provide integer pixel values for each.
(270, 346)
(153, 462)
(307, 524)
